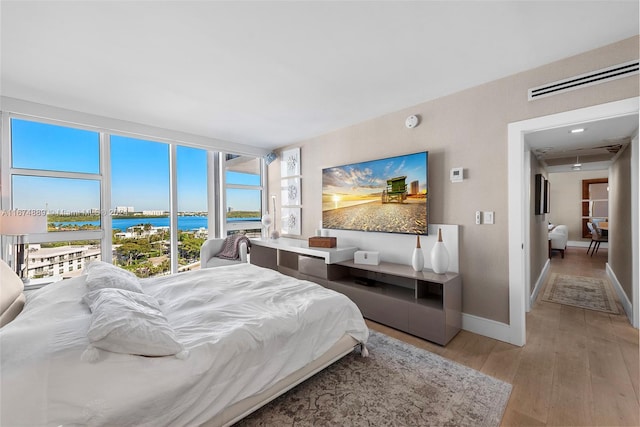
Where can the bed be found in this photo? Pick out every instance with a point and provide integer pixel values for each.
(246, 335)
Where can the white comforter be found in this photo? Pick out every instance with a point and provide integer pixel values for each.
(245, 328)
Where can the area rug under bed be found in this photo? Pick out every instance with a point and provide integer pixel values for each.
(397, 385)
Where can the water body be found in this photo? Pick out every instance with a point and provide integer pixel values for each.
(185, 223)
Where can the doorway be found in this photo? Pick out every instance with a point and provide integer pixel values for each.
(519, 205)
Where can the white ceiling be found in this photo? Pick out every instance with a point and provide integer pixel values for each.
(594, 148)
(269, 73)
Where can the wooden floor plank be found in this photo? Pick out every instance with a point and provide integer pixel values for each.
(571, 395)
(503, 362)
(614, 404)
(514, 418)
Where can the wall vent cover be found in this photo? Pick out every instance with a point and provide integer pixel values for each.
(588, 79)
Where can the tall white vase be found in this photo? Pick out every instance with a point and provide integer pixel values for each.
(274, 233)
(439, 256)
(417, 259)
(266, 222)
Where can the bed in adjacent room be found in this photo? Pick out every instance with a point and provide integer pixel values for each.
(221, 342)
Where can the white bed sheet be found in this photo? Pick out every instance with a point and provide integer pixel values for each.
(245, 328)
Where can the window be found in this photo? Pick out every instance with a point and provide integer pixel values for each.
(243, 179)
(140, 182)
(191, 169)
(42, 146)
(56, 169)
(115, 190)
(595, 202)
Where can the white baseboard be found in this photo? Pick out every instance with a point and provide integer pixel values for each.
(487, 327)
(624, 300)
(543, 276)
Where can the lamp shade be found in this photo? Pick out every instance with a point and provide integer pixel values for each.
(15, 224)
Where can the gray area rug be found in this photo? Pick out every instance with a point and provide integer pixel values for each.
(579, 291)
(397, 385)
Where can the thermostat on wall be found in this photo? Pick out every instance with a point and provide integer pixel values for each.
(456, 175)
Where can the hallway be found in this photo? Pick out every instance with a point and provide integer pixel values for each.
(579, 367)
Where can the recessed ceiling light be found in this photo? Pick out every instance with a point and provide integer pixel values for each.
(577, 130)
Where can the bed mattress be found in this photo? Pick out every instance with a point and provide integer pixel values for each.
(245, 327)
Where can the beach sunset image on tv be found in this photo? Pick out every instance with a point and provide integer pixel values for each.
(385, 195)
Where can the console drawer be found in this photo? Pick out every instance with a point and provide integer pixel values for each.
(312, 266)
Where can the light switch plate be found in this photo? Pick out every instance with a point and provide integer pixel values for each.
(456, 174)
(487, 217)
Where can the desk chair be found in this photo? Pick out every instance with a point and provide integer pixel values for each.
(596, 238)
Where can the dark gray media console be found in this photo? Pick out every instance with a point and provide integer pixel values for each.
(423, 304)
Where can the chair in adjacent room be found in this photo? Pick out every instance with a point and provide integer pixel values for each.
(596, 238)
(559, 237)
(213, 247)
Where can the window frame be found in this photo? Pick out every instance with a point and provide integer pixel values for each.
(225, 226)
(8, 171)
(585, 203)
(25, 110)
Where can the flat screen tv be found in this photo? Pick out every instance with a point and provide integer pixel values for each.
(386, 195)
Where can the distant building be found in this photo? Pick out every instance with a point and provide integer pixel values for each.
(201, 233)
(124, 209)
(153, 213)
(139, 231)
(415, 187)
(48, 262)
(122, 235)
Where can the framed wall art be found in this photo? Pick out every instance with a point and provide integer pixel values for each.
(290, 192)
(290, 221)
(539, 194)
(290, 163)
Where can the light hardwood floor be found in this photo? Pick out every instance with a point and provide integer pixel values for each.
(579, 367)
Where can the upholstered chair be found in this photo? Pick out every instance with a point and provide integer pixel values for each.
(213, 246)
(559, 237)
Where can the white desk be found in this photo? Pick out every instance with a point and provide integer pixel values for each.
(330, 255)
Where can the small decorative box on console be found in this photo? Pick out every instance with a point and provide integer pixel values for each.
(323, 242)
(366, 257)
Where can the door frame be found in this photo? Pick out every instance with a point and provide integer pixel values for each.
(519, 205)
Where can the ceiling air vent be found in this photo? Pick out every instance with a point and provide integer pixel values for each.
(583, 80)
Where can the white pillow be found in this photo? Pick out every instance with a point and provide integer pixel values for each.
(11, 296)
(102, 275)
(130, 323)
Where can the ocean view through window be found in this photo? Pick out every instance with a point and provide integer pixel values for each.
(101, 190)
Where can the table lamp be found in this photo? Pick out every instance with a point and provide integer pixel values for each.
(17, 225)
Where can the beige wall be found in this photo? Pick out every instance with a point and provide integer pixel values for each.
(539, 231)
(566, 200)
(620, 255)
(467, 129)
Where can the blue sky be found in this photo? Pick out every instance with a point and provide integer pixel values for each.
(139, 172)
(371, 176)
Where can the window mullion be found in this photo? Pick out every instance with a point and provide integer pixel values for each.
(105, 198)
(54, 174)
(173, 207)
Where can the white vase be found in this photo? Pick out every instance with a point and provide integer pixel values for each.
(439, 256)
(274, 233)
(417, 259)
(266, 222)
